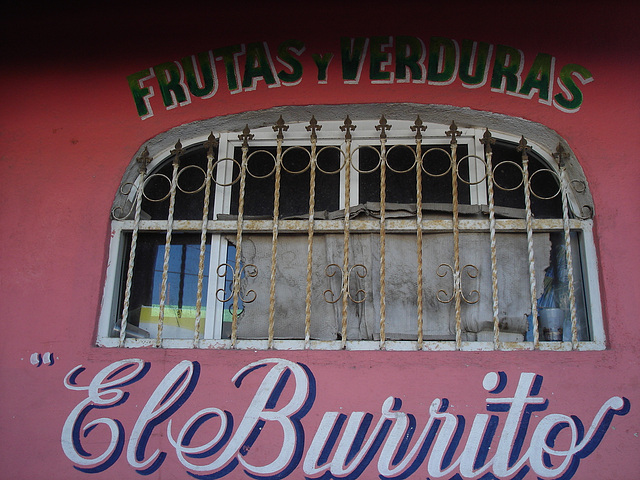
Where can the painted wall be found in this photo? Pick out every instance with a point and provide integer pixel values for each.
(70, 126)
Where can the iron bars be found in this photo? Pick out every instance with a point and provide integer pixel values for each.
(356, 218)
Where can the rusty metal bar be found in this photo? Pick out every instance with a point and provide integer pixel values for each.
(561, 157)
(144, 159)
(312, 127)
(487, 140)
(176, 152)
(524, 148)
(399, 225)
(382, 127)
(347, 127)
(245, 137)
(211, 144)
(453, 132)
(418, 127)
(279, 127)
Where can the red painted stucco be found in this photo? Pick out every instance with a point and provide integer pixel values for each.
(69, 128)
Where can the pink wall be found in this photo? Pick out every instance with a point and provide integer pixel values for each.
(69, 129)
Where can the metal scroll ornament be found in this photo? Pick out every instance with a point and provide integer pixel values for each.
(471, 271)
(248, 270)
(359, 269)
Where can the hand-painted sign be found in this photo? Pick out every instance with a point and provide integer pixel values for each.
(505, 442)
(400, 59)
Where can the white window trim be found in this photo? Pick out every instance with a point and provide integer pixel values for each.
(327, 136)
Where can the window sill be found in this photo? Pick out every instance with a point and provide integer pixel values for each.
(354, 345)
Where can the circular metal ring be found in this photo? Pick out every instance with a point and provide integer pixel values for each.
(218, 162)
(162, 175)
(400, 146)
(255, 153)
(506, 189)
(374, 168)
(434, 149)
(342, 163)
(295, 172)
(468, 182)
(204, 179)
(531, 184)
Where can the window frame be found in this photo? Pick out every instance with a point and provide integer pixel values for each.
(366, 135)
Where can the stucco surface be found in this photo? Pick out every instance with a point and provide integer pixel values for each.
(69, 130)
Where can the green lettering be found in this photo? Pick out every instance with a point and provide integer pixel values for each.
(539, 77)
(474, 60)
(284, 55)
(169, 81)
(202, 84)
(443, 60)
(141, 93)
(257, 66)
(352, 51)
(229, 55)
(379, 59)
(506, 69)
(322, 62)
(409, 59)
(573, 98)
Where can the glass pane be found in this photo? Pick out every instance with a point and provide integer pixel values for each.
(508, 176)
(294, 187)
(181, 290)
(188, 206)
(401, 187)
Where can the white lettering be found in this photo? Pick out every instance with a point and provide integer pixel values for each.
(343, 445)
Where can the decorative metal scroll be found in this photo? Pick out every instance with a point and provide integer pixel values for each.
(471, 271)
(360, 295)
(248, 270)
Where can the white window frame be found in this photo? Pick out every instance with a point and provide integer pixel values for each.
(330, 135)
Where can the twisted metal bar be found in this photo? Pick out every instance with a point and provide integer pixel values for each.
(487, 140)
(418, 127)
(278, 127)
(312, 127)
(347, 127)
(167, 242)
(144, 159)
(523, 147)
(561, 156)
(453, 132)
(382, 127)
(245, 137)
(210, 145)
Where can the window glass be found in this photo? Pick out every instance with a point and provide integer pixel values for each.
(181, 284)
(545, 201)
(401, 183)
(294, 182)
(190, 191)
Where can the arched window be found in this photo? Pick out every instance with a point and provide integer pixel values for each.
(455, 236)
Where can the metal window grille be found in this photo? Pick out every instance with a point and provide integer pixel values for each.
(458, 293)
